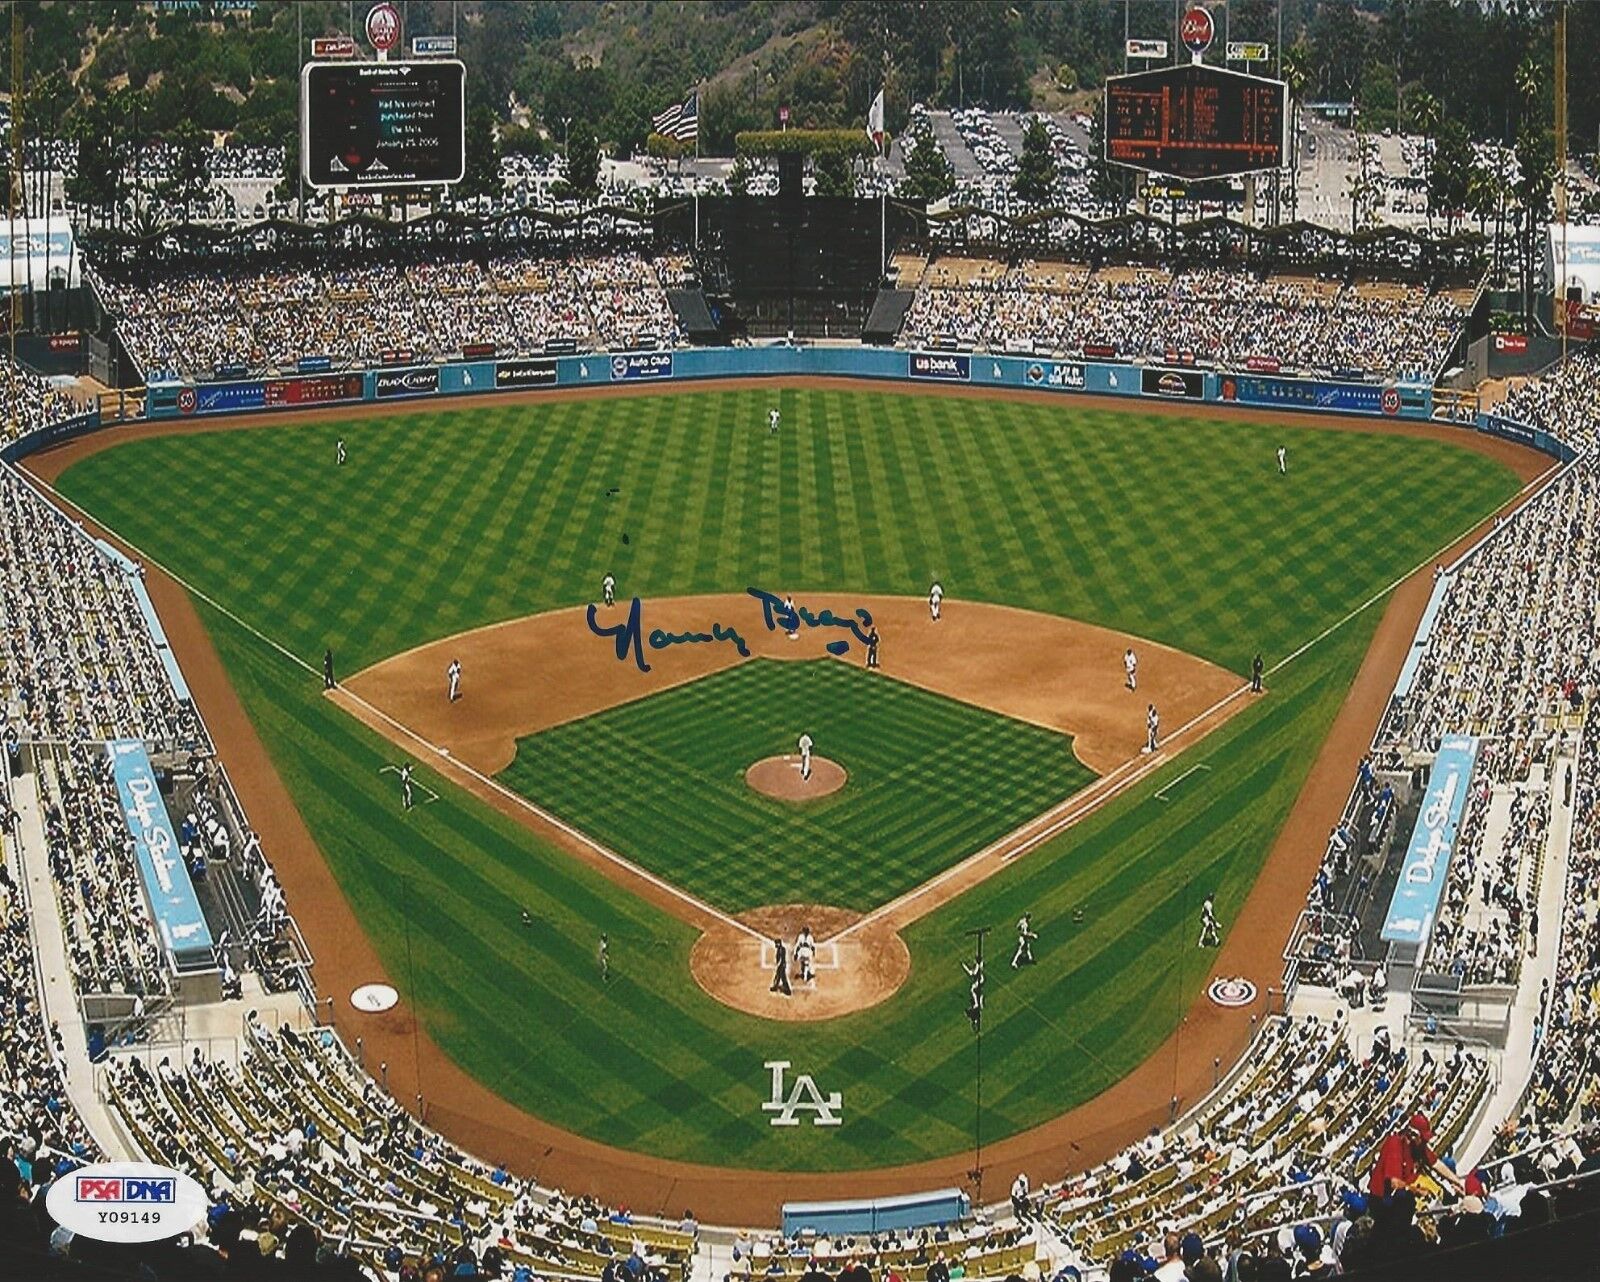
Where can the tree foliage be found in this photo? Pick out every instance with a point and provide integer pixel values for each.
(1036, 168)
(929, 175)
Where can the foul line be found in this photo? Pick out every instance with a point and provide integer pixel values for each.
(1173, 783)
(494, 785)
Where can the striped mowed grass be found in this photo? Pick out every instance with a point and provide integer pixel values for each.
(661, 781)
(447, 518)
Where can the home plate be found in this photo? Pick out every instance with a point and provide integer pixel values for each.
(374, 999)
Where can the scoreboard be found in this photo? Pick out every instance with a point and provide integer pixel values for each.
(1196, 121)
(382, 124)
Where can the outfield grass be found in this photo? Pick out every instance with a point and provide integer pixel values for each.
(1173, 529)
(661, 781)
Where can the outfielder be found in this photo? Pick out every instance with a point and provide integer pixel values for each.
(405, 786)
(453, 672)
(1152, 728)
(935, 599)
(605, 959)
(805, 953)
(772, 421)
(1283, 461)
(608, 589)
(805, 757)
(1130, 665)
(1025, 937)
(1210, 927)
(338, 453)
(1257, 666)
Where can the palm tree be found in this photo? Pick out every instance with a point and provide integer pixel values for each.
(1296, 75)
(1427, 111)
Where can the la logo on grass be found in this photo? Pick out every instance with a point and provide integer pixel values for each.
(805, 1097)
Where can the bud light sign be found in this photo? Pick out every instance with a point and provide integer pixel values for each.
(127, 1202)
(939, 365)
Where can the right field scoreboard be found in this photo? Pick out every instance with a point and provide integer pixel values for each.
(1196, 122)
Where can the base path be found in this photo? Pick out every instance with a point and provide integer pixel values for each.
(481, 1122)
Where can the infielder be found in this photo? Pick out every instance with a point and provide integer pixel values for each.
(805, 757)
(1130, 665)
(1025, 937)
(975, 992)
(1283, 461)
(872, 648)
(1210, 927)
(805, 953)
(405, 786)
(453, 672)
(793, 616)
(772, 421)
(608, 589)
(780, 969)
(1152, 728)
(935, 599)
(338, 453)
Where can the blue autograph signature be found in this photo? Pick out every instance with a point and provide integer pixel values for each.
(629, 636)
(791, 617)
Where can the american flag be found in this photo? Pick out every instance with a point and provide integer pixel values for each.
(680, 121)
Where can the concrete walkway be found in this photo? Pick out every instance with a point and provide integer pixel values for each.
(50, 944)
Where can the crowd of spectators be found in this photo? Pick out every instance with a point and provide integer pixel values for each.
(1216, 316)
(1564, 399)
(1305, 1111)
(33, 400)
(76, 658)
(1487, 910)
(196, 323)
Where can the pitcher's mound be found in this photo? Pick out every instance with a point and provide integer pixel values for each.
(780, 777)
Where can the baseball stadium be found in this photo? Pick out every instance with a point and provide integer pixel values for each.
(731, 641)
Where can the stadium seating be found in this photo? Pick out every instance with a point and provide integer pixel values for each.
(360, 314)
(1217, 316)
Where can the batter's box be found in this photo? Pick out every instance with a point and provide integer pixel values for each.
(827, 958)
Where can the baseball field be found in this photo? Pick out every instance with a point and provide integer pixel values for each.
(569, 794)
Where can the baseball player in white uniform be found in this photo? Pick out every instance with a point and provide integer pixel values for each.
(805, 953)
(1152, 727)
(1025, 937)
(1210, 927)
(805, 757)
(608, 589)
(1130, 665)
(405, 786)
(1283, 461)
(772, 421)
(935, 599)
(338, 453)
(453, 672)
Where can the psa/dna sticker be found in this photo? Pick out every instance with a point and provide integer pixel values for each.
(127, 1202)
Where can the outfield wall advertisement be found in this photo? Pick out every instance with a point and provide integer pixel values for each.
(598, 369)
(1415, 902)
